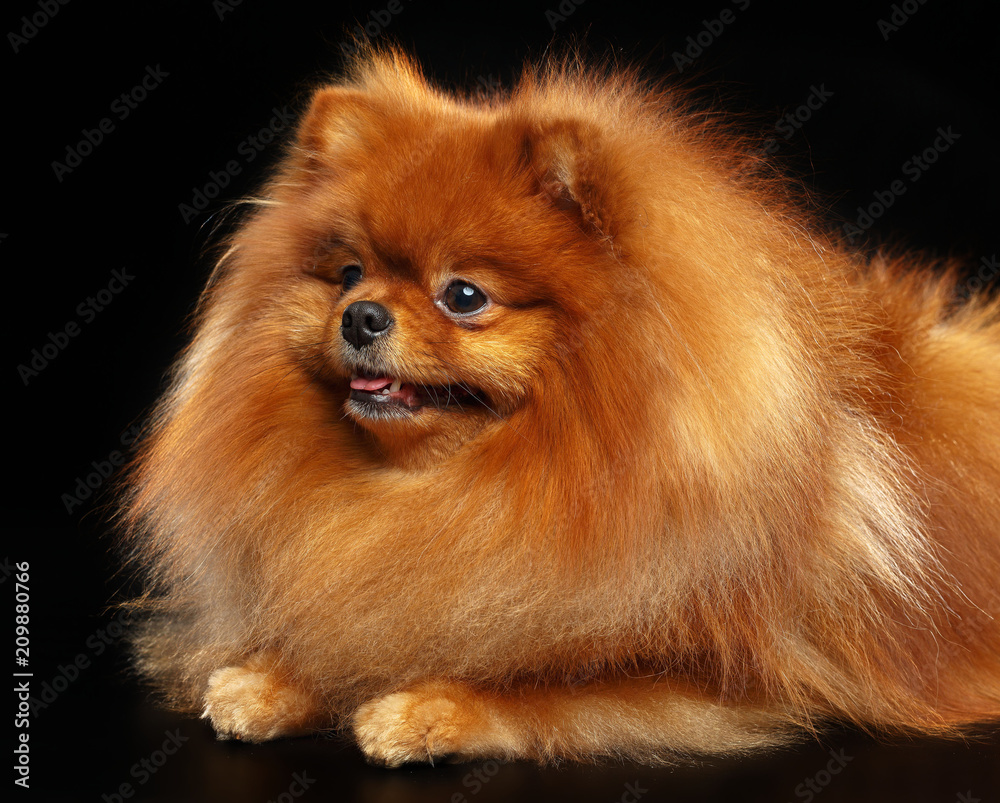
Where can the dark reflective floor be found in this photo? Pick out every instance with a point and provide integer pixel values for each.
(101, 741)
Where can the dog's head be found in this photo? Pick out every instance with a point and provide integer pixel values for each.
(451, 261)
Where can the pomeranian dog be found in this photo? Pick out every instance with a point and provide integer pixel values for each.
(543, 425)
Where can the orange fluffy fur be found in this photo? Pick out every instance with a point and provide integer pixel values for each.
(729, 478)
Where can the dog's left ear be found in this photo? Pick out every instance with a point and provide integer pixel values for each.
(566, 160)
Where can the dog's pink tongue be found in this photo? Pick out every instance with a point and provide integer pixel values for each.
(371, 385)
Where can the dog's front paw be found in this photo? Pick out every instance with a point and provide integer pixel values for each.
(242, 703)
(426, 723)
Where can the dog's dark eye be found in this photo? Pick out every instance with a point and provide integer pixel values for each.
(463, 298)
(350, 276)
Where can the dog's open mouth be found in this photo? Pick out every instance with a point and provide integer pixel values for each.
(374, 395)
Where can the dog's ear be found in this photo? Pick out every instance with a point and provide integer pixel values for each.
(338, 120)
(566, 160)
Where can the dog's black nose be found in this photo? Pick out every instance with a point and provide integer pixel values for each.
(363, 321)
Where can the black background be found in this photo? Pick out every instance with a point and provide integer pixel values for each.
(119, 209)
